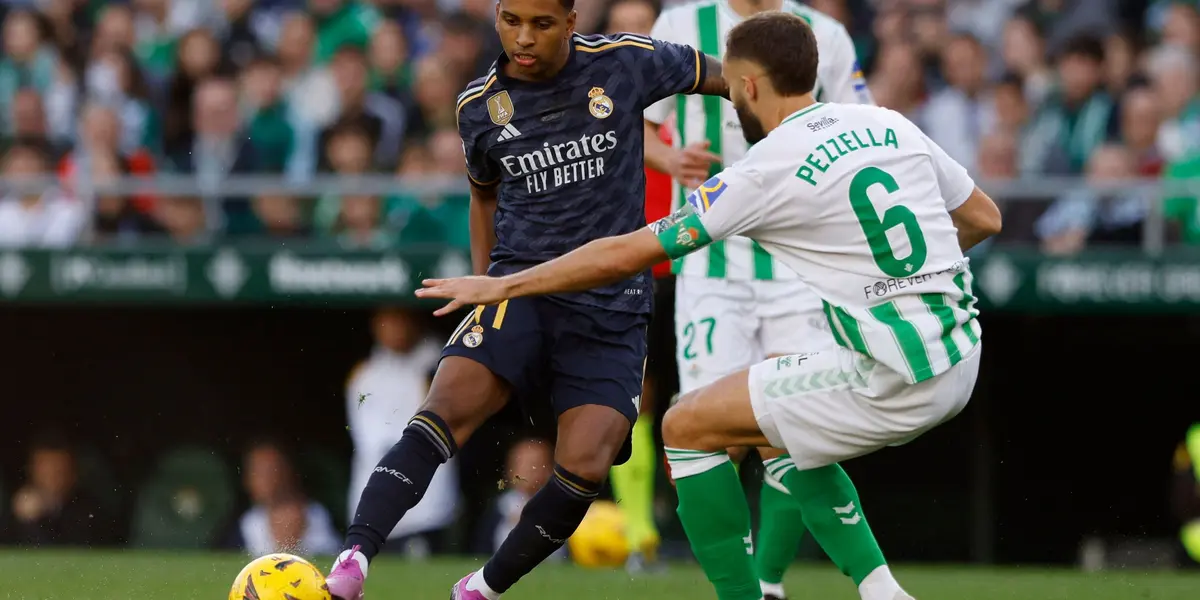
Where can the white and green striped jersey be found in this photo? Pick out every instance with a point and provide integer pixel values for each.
(705, 26)
(856, 200)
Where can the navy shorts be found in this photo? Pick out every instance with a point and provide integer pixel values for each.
(558, 354)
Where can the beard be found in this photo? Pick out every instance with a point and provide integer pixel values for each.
(752, 128)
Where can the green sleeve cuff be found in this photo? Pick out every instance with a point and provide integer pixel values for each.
(681, 233)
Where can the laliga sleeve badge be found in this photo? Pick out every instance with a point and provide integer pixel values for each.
(600, 106)
(474, 337)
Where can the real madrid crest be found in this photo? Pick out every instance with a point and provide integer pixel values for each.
(600, 106)
(474, 337)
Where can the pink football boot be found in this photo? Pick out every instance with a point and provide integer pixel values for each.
(345, 581)
(460, 591)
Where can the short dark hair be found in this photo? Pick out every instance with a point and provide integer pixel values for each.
(1011, 79)
(351, 50)
(783, 44)
(1084, 46)
(568, 5)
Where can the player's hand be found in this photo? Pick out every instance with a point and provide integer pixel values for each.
(463, 291)
(690, 166)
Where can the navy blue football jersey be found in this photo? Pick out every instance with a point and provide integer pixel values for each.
(567, 153)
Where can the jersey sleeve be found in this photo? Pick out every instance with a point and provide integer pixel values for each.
(953, 179)
(669, 69)
(847, 85)
(660, 111)
(482, 170)
(729, 204)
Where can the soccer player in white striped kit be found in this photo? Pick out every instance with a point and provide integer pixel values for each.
(736, 305)
(875, 218)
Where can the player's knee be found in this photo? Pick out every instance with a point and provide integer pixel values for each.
(737, 454)
(592, 464)
(464, 399)
(590, 440)
(679, 428)
(686, 426)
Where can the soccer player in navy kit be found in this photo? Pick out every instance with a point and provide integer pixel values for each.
(553, 142)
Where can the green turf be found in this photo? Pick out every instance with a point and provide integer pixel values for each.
(44, 575)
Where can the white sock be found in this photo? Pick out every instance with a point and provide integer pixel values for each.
(771, 589)
(880, 585)
(358, 557)
(477, 584)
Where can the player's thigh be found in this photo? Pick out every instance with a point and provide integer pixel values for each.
(494, 352)
(790, 318)
(597, 360)
(834, 405)
(714, 417)
(715, 330)
(809, 404)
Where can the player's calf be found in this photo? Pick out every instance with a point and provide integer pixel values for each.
(712, 507)
(590, 438)
(464, 394)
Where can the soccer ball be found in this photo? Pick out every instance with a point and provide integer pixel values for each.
(279, 577)
(600, 540)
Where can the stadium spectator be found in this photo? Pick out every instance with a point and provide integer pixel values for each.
(279, 137)
(51, 508)
(1084, 217)
(198, 58)
(281, 216)
(36, 220)
(1076, 118)
(527, 468)
(1173, 73)
(897, 82)
(219, 148)
(238, 33)
(28, 61)
(1023, 51)
(382, 393)
(117, 219)
(1141, 120)
(28, 115)
(462, 46)
(957, 116)
(341, 23)
(309, 89)
(376, 113)
(281, 518)
(390, 70)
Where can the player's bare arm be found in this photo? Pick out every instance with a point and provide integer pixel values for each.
(483, 232)
(594, 264)
(714, 83)
(976, 220)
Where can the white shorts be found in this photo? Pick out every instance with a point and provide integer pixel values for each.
(834, 405)
(723, 326)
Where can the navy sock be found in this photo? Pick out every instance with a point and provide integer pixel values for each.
(399, 481)
(549, 518)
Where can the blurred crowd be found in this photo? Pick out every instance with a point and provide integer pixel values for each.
(272, 492)
(91, 90)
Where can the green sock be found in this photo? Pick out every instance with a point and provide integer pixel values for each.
(633, 487)
(780, 528)
(834, 515)
(716, 518)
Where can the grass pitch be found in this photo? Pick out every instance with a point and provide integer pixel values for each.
(121, 575)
